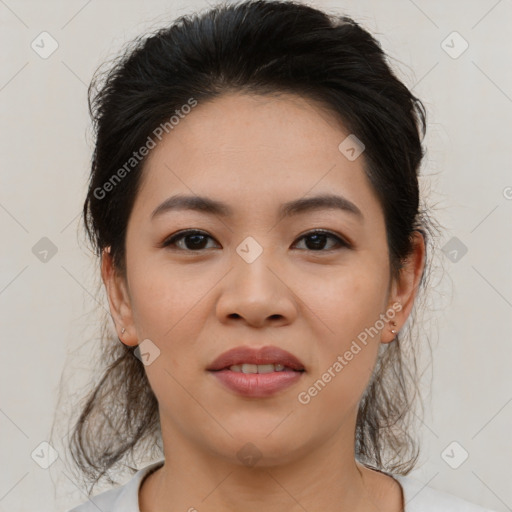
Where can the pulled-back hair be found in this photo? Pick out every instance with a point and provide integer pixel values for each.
(255, 47)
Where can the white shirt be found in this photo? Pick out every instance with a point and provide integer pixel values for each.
(417, 497)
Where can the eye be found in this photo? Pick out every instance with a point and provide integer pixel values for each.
(193, 240)
(317, 240)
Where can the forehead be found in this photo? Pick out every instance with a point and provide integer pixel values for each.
(250, 149)
(271, 127)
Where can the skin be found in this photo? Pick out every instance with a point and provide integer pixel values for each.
(255, 153)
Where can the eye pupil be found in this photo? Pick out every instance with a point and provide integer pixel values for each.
(317, 239)
(198, 240)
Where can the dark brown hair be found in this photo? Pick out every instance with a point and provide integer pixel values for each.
(258, 47)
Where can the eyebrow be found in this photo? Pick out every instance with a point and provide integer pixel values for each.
(291, 208)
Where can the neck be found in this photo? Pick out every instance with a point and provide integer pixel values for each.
(327, 478)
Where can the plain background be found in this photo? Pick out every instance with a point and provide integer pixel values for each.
(48, 308)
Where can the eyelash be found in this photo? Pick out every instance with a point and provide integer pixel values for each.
(190, 232)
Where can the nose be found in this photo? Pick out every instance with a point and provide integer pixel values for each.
(257, 294)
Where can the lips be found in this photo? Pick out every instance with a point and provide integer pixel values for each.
(262, 356)
(257, 373)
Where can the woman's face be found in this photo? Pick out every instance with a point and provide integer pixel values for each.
(257, 278)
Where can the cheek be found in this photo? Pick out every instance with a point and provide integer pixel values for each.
(163, 301)
(347, 301)
(349, 305)
(169, 308)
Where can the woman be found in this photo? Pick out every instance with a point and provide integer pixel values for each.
(254, 202)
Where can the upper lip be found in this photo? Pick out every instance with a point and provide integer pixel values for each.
(263, 355)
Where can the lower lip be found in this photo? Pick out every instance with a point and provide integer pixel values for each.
(257, 385)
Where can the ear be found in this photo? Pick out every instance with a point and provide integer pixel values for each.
(118, 299)
(404, 289)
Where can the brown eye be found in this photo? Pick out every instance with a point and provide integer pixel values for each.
(317, 240)
(193, 240)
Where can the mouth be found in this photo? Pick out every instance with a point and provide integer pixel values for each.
(257, 373)
(260, 368)
(250, 360)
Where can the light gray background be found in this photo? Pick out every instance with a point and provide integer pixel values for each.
(48, 310)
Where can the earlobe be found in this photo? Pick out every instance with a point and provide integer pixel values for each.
(118, 299)
(391, 330)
